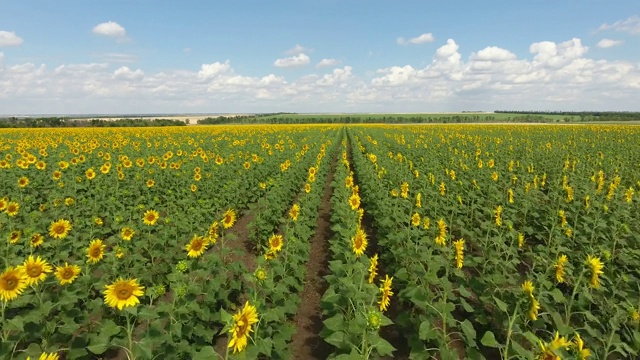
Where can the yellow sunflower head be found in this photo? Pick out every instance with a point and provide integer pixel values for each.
(67, 274)
(229, 218)
(242, 326)
(95, 251)
(12, 283)
(36, 270)
(196, 246)
(123, 293)
(150, 217)
(60, 229)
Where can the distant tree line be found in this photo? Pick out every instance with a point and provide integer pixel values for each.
(583, 116)
(62, 122)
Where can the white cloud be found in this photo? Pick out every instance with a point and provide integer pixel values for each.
(1, 56)
(327, 63)
(208, 71)
(297, 50)
(421, 39)
(111, 29)
(293, 61)
(124, 73)
(554, 76)
(630, 25)
(116, 57)
(607, 43)
(9, 38)
(493, 53)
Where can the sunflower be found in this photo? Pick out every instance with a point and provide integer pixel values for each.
(119, 252)
(582, 352)
(498, 215)
(533, 309)
(12, 208)
(60, 229)
(359, 242)
(307, 188)
(242, 321)
(520, 240)
(150, 217)
(260, 274)
(560, 264)
(127, 233)
(90, 174)
(196, 246)
(14, 236)
(385, 293)
(419, 200)
(3, 204)
(57, 175)
(527, 287)
(229, 218)
(123, 293)
(348, 182)
(275, 243)
(294, 212)
(459, 246)
(95, 251)
(212, 234)
(47, 356)
(12, 283)
(69, 201)
(36, 270)
(270, 255)
(373, 268)
(596, 267)
(354, 201)
(415, 219)
(441, 239)
(246, 165)
(219, 160)
(36, 240)
(150, 183)
(23, 182)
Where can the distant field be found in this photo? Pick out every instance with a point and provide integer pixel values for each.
(493, 116)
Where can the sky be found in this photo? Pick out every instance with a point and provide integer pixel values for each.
(309, 56)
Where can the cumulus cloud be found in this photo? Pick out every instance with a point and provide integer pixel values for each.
(1, 56)
(298, 49)
(9, 38)
(554, 76)
(111, 29)
(493, 53)
(420, 39)
(293, 61)
(208, 71)
(630, 25)
(607, 43)
(124, 73)
(327, 63)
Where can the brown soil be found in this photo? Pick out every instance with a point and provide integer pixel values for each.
(306, 342)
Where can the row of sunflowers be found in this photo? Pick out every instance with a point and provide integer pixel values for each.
(508, 242)
(112, 236)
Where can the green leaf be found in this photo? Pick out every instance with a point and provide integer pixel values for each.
(488, 339)
(205, 353)
(501, 304)
(335, 323)
(337, 339)
(426, 331)
(469, 332)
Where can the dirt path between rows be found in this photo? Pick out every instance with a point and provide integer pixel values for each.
(306, 343)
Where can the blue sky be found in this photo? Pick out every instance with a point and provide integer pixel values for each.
(318, 56)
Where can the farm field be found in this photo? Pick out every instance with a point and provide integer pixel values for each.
(321, 241)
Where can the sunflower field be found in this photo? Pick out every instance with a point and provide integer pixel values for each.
(345, 242)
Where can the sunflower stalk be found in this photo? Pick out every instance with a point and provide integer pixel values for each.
(573, 295)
